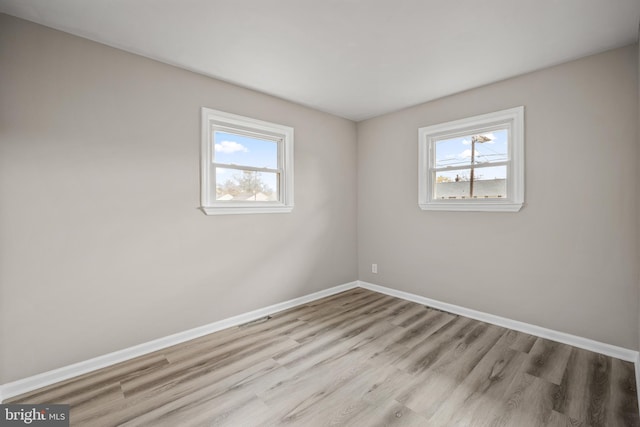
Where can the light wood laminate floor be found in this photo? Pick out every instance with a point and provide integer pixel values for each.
(358, 358)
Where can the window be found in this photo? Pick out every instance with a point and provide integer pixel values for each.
(473, 164)
(247, 165)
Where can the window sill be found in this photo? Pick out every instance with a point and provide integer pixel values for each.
(233, 210)
(472, 206)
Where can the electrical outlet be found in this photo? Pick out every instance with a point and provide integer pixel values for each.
(374, 268)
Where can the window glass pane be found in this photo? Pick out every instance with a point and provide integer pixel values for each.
(239, 185)
(488, 147)
(452, 184)
(484, 183)
(490, 182)
(243, 150)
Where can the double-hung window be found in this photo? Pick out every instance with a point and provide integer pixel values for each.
(247, 165)
(473, 164)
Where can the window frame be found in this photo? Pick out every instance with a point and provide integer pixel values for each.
(215, 120)
(511, 119)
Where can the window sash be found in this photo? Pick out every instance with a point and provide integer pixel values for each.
(443, 136)
(245, 132)
(245, 168)
(472, 130)
(240, 167)
(279, 188)
(219, 121)
(241, 132)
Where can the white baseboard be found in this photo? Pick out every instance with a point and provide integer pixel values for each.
(576, 341)
(44, 379)
(26, 385)
(638, 376)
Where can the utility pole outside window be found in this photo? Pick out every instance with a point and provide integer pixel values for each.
(479, 139)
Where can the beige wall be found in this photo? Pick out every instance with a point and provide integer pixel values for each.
(569, 260)
(101, 244)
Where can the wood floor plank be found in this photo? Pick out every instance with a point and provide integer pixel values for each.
(622, 405)
(97, 380)
(332, 345)
(337, 301)
(388, 413)
(560, 420)
(400, 309)
(574, 394)
(305, 396)
(357, 358)
(548, 360)
(529, 402)
(520, 341)
(228, 361)
(184, 370)
(164, 400)
(587, 389)
(351, 348)
(384, 384)
(486, 384)
(434, 386)
(429, 351)
(421, 330)
(206, 407)
(412, 312)
(326, 313)
(242, 338)
(335, 322)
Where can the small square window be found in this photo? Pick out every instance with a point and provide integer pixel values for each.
(247, 165)
(473, 164)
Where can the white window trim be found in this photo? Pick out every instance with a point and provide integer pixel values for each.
(219, 120)
(513, 119)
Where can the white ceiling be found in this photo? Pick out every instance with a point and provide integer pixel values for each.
(353, 58)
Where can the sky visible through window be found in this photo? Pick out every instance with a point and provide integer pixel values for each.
(243, 150)
(456, 152)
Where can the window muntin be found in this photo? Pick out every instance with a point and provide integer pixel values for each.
(473, 164)
(247, 165)
(488, 183)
